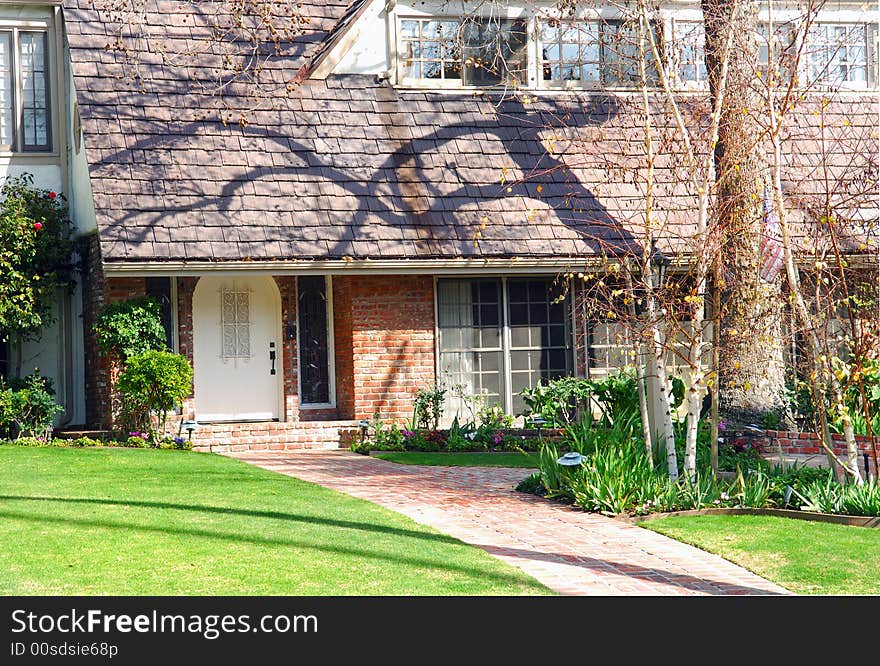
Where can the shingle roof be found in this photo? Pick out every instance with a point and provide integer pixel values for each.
(349, 167)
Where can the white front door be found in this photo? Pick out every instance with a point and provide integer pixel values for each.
(236, 334)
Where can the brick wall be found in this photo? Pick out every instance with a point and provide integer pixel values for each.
(384, 343)
(186, 287)
(96, 368)
(344, 345)
(800, 442)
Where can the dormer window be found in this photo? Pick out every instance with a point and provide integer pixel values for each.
(463, 52)
(838, 55)
(593, 54)
(688, 53)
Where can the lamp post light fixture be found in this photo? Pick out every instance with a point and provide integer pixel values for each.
(538, 422)
(659, 266)
(571, 459)
(190, 427)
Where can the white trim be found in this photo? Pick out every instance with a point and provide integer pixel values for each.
(175, 317)
(331, 351)
(505, 346)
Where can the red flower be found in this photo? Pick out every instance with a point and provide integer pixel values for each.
(52, 195)
(38, 225)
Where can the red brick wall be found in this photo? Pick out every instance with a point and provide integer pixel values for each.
(97, 392)
(387, 323)
(186, 286)
(801, 442)
(344, 346)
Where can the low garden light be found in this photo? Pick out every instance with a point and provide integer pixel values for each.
(571, 459)
(190, 427)
(364, 425)
(539, 422)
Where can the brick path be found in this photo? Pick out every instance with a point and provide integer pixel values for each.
(568, 550)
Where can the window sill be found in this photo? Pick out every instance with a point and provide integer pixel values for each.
(6, 154)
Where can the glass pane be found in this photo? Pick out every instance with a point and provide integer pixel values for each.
(35, 90)
(409, 29)
(314, 366)
(6, 88)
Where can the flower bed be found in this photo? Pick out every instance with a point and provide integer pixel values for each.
(135, 440)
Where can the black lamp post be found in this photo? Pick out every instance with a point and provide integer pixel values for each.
(659, 266)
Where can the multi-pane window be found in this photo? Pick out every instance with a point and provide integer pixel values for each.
(689, 52)
(540, 348)
(594, 53)
(838, 54)
(607, 53)
(470, 52)
(608, 348)
(34, 90)
(470, 331)
(780, 50)
(493, 350)
(25, 116)
(570, 52)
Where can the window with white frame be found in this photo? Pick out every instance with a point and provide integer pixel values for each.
(498, 336)
(466, 52)
(594, 53)
(777, 53)
(838, 54)
(688, 53)
(25, 111)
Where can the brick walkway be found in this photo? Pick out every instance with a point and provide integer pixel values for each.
(569, 551)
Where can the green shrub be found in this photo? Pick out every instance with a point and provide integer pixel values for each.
(156, 381)
(861, 500)
(130, 328)
(532, 484)
(28, 407)
(428, 406)
(87, 442)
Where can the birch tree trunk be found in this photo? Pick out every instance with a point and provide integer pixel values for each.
(751, 368)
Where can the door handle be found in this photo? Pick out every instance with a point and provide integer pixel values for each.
(272, 357)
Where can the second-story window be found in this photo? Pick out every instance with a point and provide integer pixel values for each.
(838, 55)
(594, 53)
(688, 52)
(469, 52)
(25, 117)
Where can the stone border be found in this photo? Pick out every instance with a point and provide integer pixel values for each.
(854, 521)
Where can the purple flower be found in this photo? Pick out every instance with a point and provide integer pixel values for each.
(134, 433)
(722, 424)
(179, 441)
(498, 438)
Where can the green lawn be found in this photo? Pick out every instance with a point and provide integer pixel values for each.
(804, 557)
(502, 459)
(116, 521)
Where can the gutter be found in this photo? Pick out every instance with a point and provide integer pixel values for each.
(351, 266)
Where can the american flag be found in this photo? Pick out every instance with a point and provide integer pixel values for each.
(772, 250)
